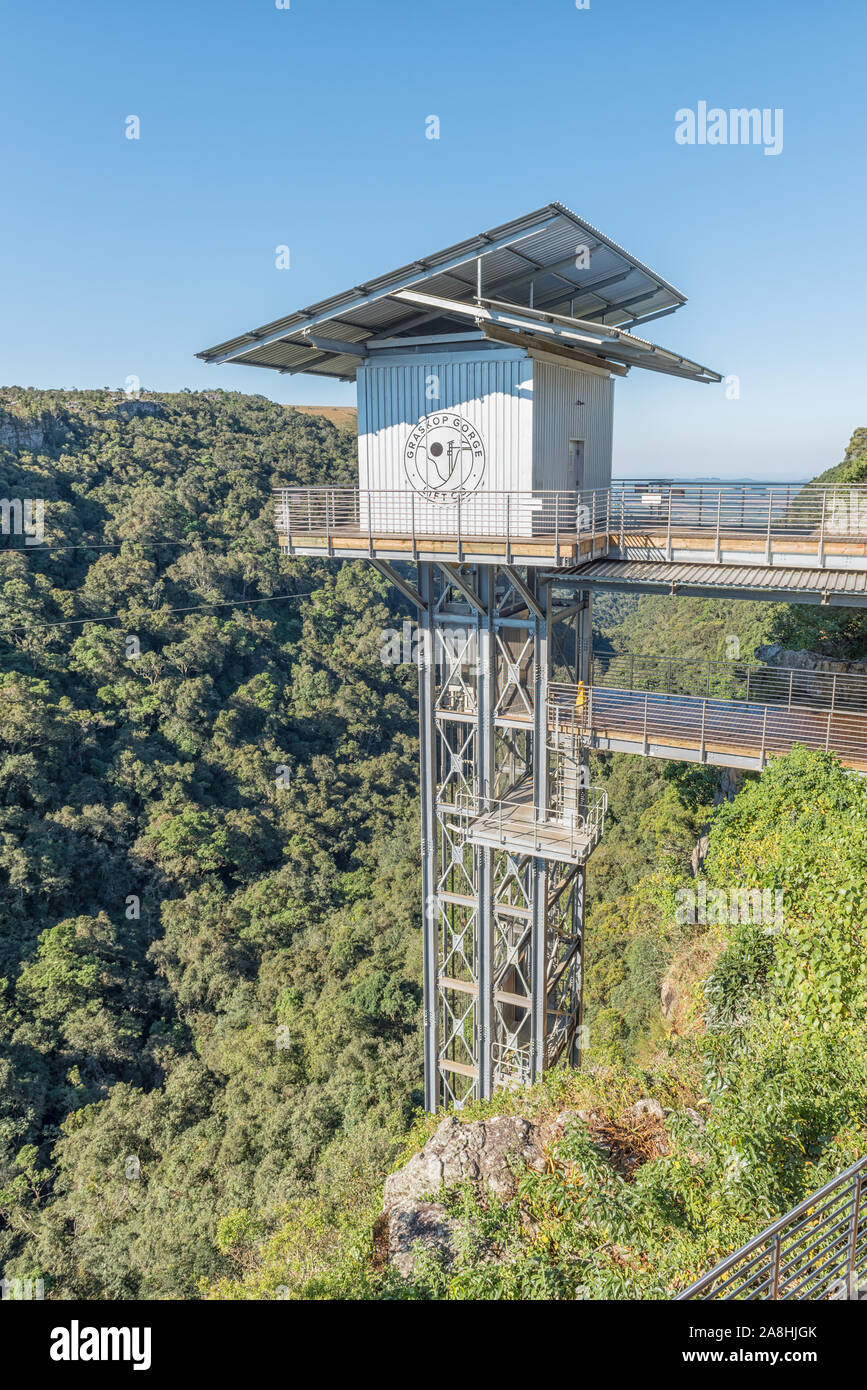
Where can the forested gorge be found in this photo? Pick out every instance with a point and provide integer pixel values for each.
(208, 850)
(210, 1051)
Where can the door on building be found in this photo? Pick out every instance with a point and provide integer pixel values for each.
(576, 479)
(576, 464)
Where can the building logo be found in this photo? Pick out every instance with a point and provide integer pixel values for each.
(444, 457)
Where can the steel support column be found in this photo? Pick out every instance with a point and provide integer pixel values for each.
(428, 780)
(584, 672)
(539, 906)
(486, 699)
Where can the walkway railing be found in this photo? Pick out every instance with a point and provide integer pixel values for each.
(733, 680)
(767, 518)
(518, 821)
(751, 714)
(816, 1251)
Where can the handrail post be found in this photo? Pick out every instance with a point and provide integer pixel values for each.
(791, 681)
(702, 752)
(856, 1214)
(622, 545)
(764, 737)
(770, 511)
(668, 550)
(718, 543)
(327, 526)
(646, 698)
(508, 528)
(775, 1283)
(412, 520)
(460, 546)
(370, 527)
(557, 531)
(821, 548)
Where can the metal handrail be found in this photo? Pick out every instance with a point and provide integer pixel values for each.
(836, 722)
(557, 825)
(829, 1267)
(624, 514)
(731, 680)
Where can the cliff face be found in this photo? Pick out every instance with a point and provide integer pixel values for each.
(22, 433)
(777, 655)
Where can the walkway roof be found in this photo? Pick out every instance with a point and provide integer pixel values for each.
(515, 277)
(844, 588)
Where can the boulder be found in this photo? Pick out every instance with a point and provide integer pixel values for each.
(645, 1109)
(482, 1152)
(487, 1153)
(414, 1227)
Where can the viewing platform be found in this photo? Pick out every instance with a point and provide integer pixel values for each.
(773, 525)
(722, 713)
(515, 823)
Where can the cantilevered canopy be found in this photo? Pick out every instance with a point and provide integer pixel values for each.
(548, 276)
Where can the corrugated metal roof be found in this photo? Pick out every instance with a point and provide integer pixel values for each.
(539, 249)
(782, 583)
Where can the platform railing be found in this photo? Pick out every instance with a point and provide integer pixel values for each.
(734, 680)
(624, 515)
(771, 514)
(752, 713)
(516, 820)
(816, 1251)
(368, 515)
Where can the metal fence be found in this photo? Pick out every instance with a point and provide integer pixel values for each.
(816, 1251)
(517, 822)
(826, 717)
(733, 680)
(806, 517)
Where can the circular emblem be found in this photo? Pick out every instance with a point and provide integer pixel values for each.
(444, 457)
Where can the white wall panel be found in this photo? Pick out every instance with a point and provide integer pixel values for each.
(492, 392)
(558, 418)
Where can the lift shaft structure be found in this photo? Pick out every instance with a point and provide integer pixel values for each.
(504, 842)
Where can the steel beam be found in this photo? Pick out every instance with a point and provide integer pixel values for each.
(401, 584)
(539, 967)
(454, 576)
(486, 701)
(426, 699)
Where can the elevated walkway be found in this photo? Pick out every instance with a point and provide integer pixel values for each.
(816, 1251)
(712, 712)
(761, 583)
(783, 529)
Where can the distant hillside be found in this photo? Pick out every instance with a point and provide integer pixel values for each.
(343, 416)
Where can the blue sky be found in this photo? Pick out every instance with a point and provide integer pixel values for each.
(306, 127)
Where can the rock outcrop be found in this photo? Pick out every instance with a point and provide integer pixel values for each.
(414, 1227)
(489, 1154)
(777, 655)
(484, 1152)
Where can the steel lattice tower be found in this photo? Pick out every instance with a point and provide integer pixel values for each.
(503, 886)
